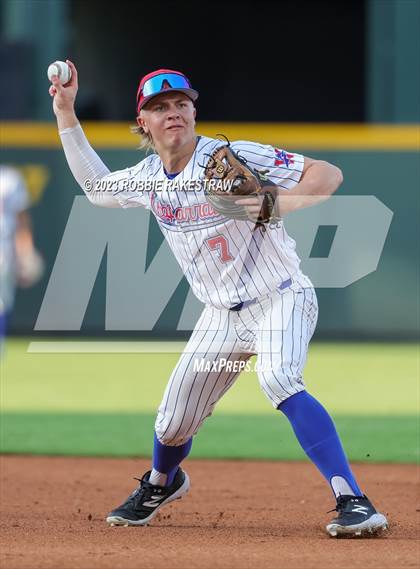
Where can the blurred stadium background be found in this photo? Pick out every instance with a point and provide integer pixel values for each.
(337, 82)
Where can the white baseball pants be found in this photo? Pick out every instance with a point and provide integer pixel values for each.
(276, 327)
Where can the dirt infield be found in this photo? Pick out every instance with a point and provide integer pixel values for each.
(237, 515)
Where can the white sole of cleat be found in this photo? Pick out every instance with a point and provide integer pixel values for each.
(372, 526)
(119, 521)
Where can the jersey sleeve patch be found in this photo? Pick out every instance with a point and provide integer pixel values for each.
(284, 168)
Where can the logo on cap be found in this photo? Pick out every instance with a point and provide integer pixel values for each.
(163, 80)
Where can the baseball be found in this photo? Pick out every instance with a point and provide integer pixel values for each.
(61, 69)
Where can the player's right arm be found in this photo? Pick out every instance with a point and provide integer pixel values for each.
(86, 166)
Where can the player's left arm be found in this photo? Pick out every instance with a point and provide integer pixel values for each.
(319, 180)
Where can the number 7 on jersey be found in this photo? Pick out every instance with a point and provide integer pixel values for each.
(221, 245)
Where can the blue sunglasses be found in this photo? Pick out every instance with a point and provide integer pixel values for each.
(156, 84)
(160, 83)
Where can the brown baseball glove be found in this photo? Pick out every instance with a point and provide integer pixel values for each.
(228, 177)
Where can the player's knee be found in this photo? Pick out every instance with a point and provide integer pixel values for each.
(279, 387)
(171, 436)
(170, 440)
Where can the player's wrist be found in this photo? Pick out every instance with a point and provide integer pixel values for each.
(66, 119)
(286, 202)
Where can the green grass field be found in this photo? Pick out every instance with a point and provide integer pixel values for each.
(105, 404)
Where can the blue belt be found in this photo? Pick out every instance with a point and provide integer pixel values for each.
(246, 303)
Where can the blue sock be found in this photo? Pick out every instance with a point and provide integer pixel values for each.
(166, 459)
(318, 437)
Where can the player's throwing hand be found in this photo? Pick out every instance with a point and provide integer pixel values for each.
(64, 95)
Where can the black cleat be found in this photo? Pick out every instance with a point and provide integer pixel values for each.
(143, 504)
(356, 517)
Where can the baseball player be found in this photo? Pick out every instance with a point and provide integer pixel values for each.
(20, 262)
(257, 300)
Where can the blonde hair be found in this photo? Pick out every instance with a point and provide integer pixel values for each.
(146, 140)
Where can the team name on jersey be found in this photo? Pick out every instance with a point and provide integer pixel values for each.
(192, 212)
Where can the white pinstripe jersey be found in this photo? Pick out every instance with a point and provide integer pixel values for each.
(224, 260)
(13, 199)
